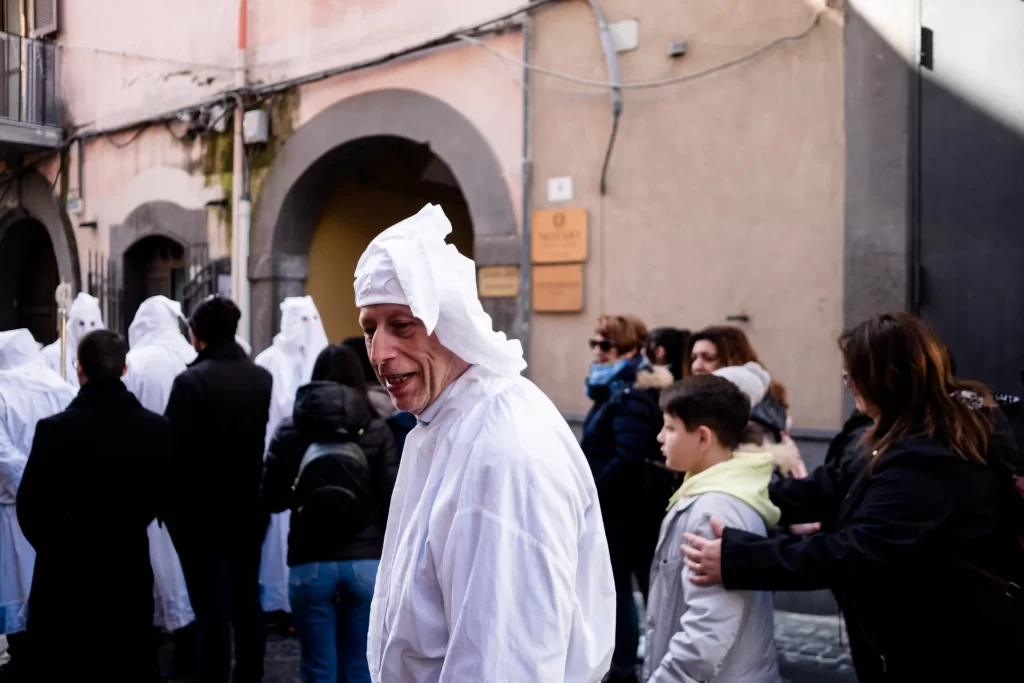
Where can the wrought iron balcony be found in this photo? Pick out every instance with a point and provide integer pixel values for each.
(30, 110)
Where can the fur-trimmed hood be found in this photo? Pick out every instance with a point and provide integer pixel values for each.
(656, 377)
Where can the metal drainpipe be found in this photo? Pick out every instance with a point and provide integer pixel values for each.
(241, 211)
(524, 258)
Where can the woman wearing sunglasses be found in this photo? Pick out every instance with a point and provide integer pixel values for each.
(620, 441)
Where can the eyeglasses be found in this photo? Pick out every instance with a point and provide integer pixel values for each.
(602, 344)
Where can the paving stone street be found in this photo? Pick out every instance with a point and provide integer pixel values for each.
(812, 649)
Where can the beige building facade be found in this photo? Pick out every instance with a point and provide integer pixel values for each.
(722, 198)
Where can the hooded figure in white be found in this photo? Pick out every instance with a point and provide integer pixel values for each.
(83, 317)
(29, 392)
(159, 353)
(290, 360)
(495, 565)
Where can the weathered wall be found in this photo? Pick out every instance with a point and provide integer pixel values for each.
(466, 78)
(880, 39)
(123, 62)
(459, 100)
(725, 194)
(126, 59)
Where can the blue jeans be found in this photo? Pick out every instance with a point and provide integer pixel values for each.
(331, 611)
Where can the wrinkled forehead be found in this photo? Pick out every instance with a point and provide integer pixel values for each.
(378, 314)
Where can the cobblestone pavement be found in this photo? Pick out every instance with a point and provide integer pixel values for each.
(282, 661)
(812, 649)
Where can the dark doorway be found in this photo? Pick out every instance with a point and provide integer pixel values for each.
(970, 238)
(152, 266)
(28, 280)
(373, 183)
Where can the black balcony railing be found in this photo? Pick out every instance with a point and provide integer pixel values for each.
(29, 89)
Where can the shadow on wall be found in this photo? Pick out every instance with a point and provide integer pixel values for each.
(934, 201)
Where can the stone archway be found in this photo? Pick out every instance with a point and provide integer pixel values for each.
(158, 219)
(32, 198)
(150, 230)
(300, 178)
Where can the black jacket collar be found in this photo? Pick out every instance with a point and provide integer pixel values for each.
(228, 350)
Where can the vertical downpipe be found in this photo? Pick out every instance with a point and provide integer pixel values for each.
(525, 274)
(241, 210)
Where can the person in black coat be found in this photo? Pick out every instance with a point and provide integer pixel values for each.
(338, 517)
(218, 410)
(94, 481)
(620, 442)
(918, 545)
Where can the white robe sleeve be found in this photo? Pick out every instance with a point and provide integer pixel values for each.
(12, 461)
(151, 382)
(508, 573)
(51, 354)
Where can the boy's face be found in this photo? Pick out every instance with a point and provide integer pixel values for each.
(683, 450)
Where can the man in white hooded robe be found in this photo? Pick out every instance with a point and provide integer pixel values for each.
(495, 564)
(29, 392)
(158, 353)
(84, 317)
(290, 359)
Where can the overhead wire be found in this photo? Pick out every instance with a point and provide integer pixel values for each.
(472, 35)
(643, 85)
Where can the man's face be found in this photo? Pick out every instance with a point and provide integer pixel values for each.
(412, 365)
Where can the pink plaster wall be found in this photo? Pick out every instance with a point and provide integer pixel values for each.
(125, 59)
(123, 62)
(466, 78)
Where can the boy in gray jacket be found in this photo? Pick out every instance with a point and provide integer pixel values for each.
(705, 633)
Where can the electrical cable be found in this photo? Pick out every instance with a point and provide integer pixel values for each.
(612, 60)
(145, 58)
(480, 29)
(135, 136)
(642, 85)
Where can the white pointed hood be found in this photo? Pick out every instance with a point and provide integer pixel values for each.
(158, 323)
(84, 317)
(22, 365)
(410, 264)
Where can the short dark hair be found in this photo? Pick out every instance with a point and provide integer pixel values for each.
(709, 401)
(101, 355)
(215, 320)
(358, 345)
(338, 363)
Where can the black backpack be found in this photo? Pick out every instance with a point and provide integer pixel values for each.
(337, 496)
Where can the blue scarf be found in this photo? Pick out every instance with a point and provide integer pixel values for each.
(601, 377)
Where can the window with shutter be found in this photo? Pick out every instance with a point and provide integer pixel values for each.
(44, 14)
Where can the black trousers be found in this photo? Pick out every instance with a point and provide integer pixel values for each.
(222, 567)
(116, 645)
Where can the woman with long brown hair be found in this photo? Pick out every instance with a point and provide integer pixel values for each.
(920, 548)
(722, 346)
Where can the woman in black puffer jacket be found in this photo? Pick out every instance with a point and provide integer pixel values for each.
(339, 505)
(920, 538)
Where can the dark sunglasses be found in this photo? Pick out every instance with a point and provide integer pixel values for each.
(604, 345)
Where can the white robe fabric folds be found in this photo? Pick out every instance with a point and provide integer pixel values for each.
(495, 565)
(83, 317)
(159, 353)
(29, 392)
(290, 360)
